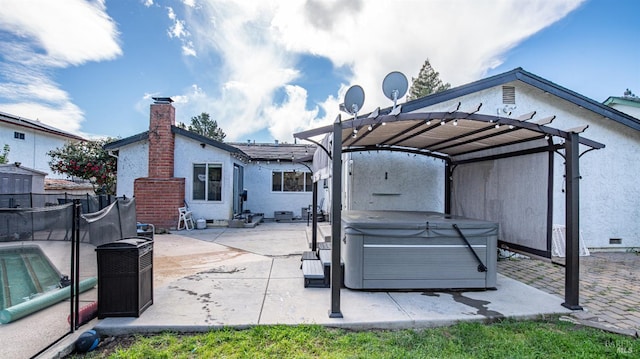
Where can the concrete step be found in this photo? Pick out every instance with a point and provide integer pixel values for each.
(314, 274)
(309, 255)
(324, 232)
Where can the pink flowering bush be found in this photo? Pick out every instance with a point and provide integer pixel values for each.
(86, 160)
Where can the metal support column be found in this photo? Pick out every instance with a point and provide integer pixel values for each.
(314, 217)
(572, 225)
(447, 187)
(336, 219)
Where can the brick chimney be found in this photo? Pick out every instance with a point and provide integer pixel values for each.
(159, 195)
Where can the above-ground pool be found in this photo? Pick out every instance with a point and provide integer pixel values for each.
(25, 273)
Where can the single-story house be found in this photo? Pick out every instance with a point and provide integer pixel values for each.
(169, 167)
(62, 186)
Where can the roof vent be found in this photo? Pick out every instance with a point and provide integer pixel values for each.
(509, 95)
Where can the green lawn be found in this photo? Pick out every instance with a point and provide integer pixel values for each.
(506, 339)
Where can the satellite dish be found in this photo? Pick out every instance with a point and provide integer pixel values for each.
(354, 99)
(394, 86)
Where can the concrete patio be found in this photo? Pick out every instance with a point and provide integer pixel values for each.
(241, 277)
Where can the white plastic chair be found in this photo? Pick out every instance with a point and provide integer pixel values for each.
(185, 219)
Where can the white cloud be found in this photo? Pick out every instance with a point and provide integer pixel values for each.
(188, 50)
(178, 30)
(291, 116)
(259, 43)
(70, 31)
(46, 35)
(256, 46)
(65, 116)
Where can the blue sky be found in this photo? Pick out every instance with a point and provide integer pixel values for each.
(266, 69)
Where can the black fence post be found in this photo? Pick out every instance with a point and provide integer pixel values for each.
(75, 243)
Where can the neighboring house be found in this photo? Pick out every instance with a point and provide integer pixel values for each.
(168, 167)
(609, 192)
(628, 104)
(62, 186)
(29, 142)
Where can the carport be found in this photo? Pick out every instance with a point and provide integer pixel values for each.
(470, 144)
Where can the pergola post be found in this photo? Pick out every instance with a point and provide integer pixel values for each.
(314, 217)
(336, 219)
(572, 223)
(447, 187)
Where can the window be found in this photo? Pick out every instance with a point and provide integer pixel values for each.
(291, 181)
(207, 182)
(18, 135)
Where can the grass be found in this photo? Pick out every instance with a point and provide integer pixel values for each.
(506, 339)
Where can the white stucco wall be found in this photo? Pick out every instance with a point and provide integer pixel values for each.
(261, 198)
(393, 181)
(133, 162)
(189, 152)
(609, 193)
(32, 151)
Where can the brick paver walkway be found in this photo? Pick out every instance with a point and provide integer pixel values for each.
(609, 284)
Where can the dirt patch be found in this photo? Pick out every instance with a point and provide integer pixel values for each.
(168, 268)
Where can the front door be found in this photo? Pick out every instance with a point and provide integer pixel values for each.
(238, 176)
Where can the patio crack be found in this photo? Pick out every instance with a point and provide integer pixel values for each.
(266, 288)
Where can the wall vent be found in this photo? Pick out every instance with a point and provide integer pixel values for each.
(509, 95)
(615, 240)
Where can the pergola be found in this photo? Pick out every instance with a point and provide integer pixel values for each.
(457, 137)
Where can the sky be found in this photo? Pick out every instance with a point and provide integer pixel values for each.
(266, 69)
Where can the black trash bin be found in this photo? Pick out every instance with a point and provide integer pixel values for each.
(125, 277)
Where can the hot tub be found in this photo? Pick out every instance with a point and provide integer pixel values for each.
(417, 250)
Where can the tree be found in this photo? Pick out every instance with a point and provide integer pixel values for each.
(205, 126)
(86, 160)
(427, 82)
(4, 157)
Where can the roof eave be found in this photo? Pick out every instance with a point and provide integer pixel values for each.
(519, 74)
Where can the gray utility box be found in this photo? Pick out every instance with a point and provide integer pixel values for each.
(125, 277)
(417, 250)
(283, 215)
